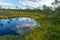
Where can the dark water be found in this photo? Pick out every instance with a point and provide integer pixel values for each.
(16, 26)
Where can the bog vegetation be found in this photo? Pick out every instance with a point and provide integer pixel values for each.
(49, 23)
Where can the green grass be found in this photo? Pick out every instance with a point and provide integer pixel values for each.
(49, 28)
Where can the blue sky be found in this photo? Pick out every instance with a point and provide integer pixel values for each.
(24, 3)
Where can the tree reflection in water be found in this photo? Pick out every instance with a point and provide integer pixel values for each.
(9, 21)
(1, 24)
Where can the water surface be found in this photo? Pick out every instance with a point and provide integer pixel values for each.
(16, 26)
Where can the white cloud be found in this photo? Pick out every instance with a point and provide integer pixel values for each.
(36, 3)
(30, 3)
(6, 4)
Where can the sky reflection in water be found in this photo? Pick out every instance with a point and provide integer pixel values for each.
(16, 25)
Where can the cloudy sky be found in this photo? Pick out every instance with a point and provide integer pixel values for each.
(24, 3)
